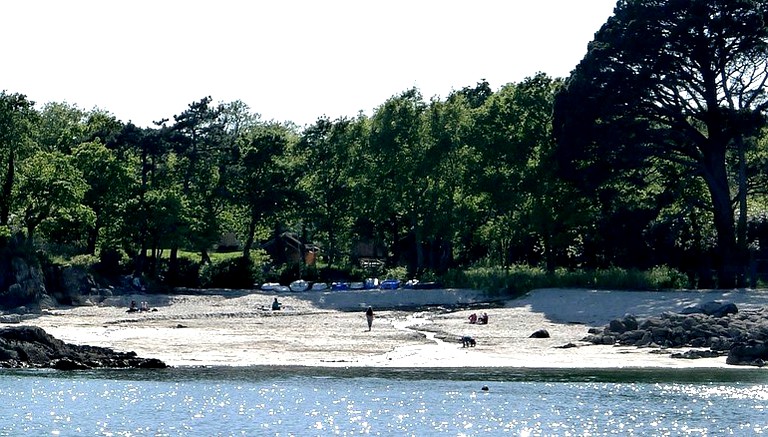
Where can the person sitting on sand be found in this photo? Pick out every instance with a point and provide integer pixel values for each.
(276, 305)
(473, 318)
(483, 320)
(133, 308)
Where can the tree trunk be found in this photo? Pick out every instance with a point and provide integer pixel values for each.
(204, 257)
(419, 248)
(173, 267)
(742, 246)
(717, 182)
(331, 258)
(93, 236)
(5, 204)
(248, 245)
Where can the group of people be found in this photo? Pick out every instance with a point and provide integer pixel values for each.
(134, 308)
(474, 319)
(482, 320)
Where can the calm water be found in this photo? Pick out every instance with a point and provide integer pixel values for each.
(291, 401)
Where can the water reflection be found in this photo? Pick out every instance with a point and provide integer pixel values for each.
(261, 373)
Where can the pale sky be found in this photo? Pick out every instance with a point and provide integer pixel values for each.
(289, 60)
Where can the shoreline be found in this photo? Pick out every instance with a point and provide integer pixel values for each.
(328, 330)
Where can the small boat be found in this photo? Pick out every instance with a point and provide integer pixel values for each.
(281, 288)
(427, 286)
(411, 283)
(390, 284)
(340, 286)
(319, 286)
(356, 286)
(300, 285)
(269, 286)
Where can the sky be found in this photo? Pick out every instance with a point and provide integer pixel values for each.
(288, 60)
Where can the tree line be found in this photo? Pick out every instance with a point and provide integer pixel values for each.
(653, 152)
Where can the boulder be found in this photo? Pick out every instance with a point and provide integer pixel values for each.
(749, 353)
(541, 333)
(712, 308)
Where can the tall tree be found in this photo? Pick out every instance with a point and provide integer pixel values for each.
(48, 185)
(264, 185)
(675, 80)
(17, 121)
(398, 149)
(61, 127)
(199, 140)
(109, 185)
(328, 149)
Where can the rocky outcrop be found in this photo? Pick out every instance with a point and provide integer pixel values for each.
(714, 329)
(21, 284)
(74, 285)
(32, 347)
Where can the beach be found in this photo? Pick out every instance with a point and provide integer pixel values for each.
(411, 328)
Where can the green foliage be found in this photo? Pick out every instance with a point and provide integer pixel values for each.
(398, 272)
(669, 91)
(86, 262)
(520, 279)
(432, 186)
(48, 186)
(188, 272)
(112, 262)
(234, 273)
(109, 183)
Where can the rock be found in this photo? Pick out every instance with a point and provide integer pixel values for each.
(696, 354)
(67, 284)
(752, 353)
(541, 333)
(10, 318)
(719, 327)
(68, 364)
(617, 326)
(566, 346)
(31, 346)
(712, 308)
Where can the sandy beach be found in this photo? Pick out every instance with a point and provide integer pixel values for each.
(238, 328)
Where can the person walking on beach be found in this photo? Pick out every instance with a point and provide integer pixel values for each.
(369, 317)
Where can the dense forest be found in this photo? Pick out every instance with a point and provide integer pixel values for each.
(652, 153)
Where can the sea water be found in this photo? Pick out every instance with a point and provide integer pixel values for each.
(284, 401)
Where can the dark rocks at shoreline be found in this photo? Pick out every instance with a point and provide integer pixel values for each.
(32, 347)
(541, 333)
(714, 329)
(714, 308)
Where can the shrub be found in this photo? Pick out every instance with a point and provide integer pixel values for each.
(111, 262)
(398, 272)
(229, 273)
(188, 273)
(86, 262)
(520, 279)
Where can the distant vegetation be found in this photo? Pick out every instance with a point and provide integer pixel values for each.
(649, 160)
